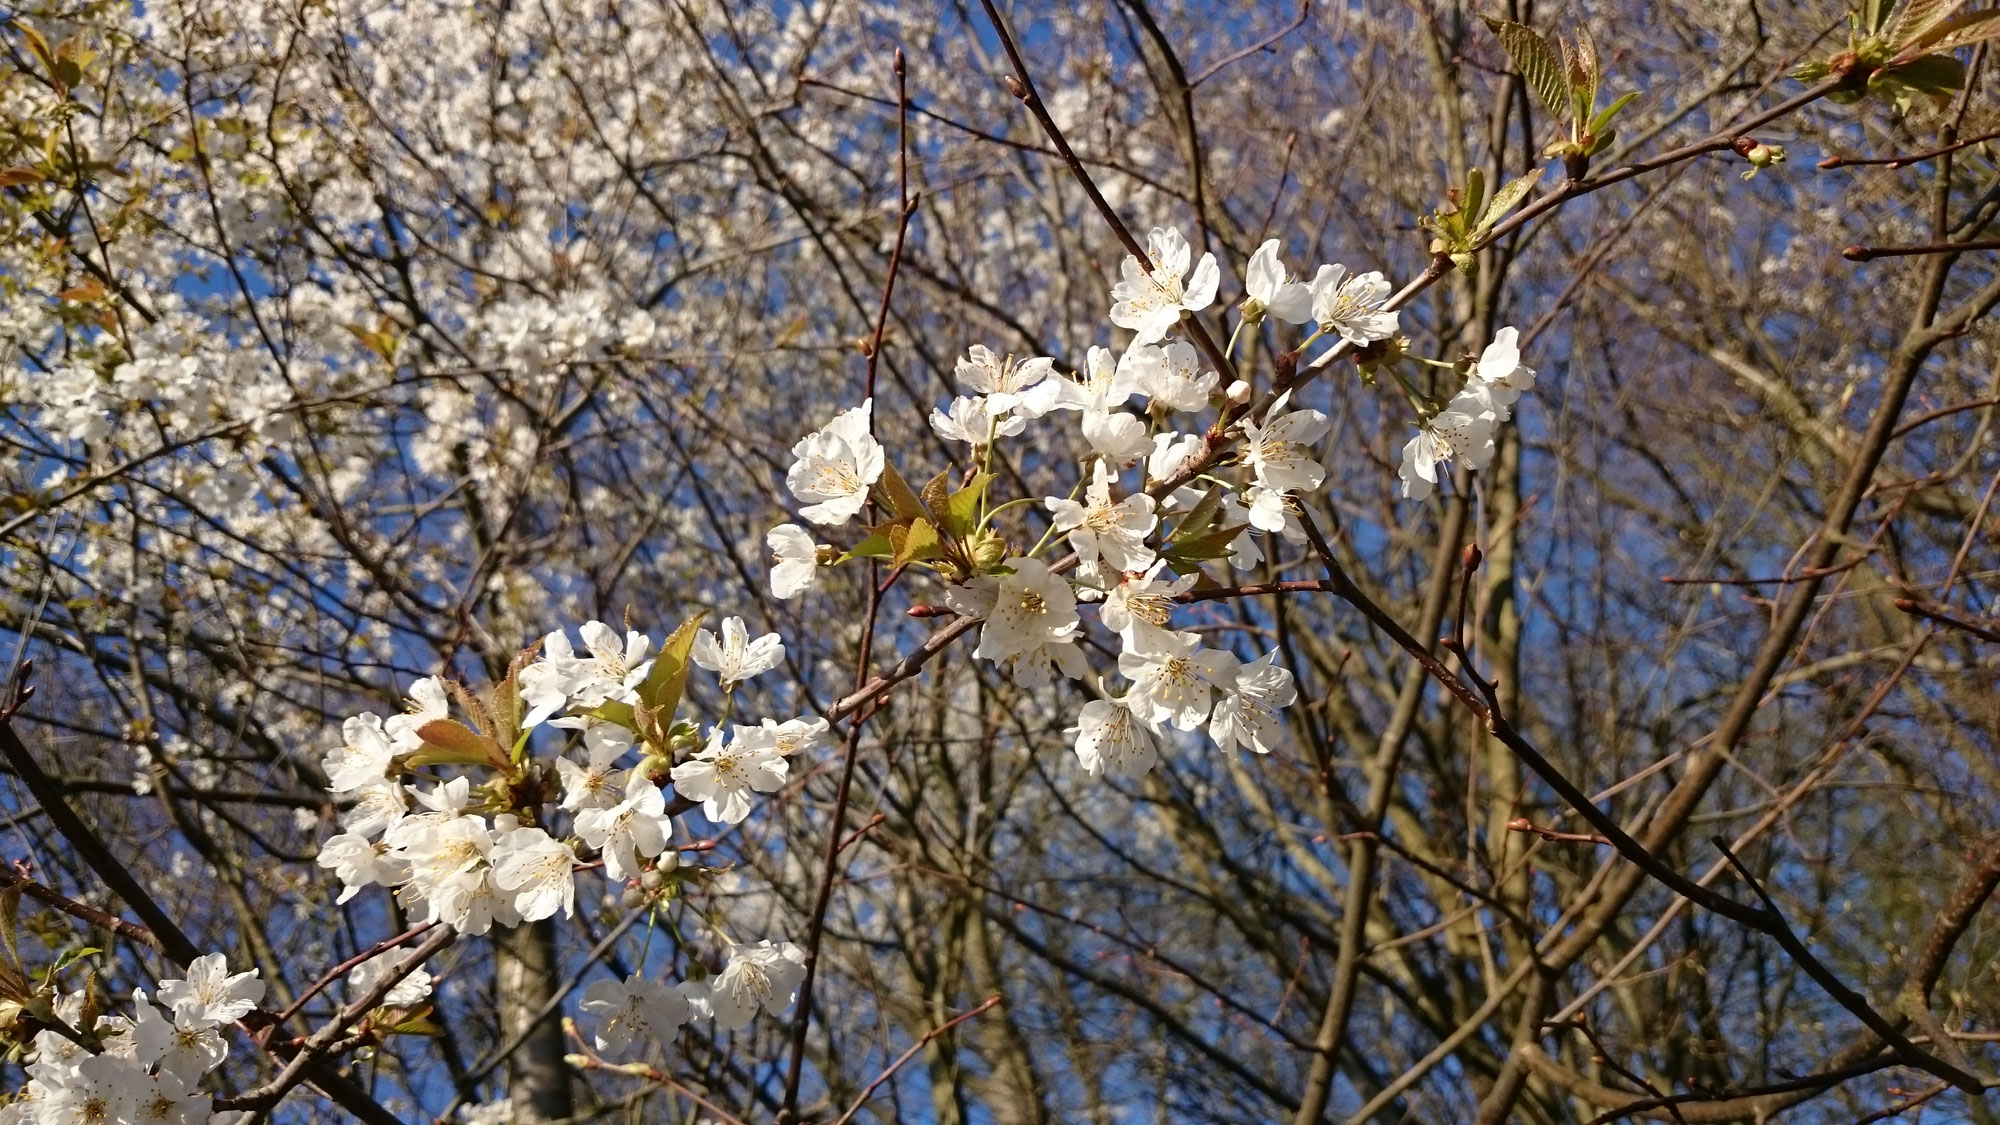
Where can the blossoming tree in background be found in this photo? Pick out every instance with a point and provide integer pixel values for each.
(690, 561)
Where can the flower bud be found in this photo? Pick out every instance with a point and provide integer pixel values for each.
(653, 878)
(990, 551)
(633, 898)
(1239, 392)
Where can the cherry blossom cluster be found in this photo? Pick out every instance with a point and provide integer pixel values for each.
(1137, 547)
(565, 767)
(136, 1069)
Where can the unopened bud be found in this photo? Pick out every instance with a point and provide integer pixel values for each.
(1014, 87)
(989, 552)
(633, 898)
(1471, 557)
(1374, 354)
(1759, 154)
(653, 878)
(1239, 392)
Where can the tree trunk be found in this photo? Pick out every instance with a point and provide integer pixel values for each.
(525, 967)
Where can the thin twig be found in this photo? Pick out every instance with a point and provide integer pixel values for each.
(1930, 612)
(985, 1006)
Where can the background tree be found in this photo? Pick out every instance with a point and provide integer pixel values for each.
(359, 343)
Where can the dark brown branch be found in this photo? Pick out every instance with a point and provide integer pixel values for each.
(1870, 253)
(1907, 158)
(1023, 87)
(830, 872)
(18, 880)
(1918, 609)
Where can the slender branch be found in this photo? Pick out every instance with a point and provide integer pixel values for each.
(985, 1006)
(322, 1042)
(1870, 253)
(1918, 609)
(1305, 9)
(18, 880)
(1022, 86)
(1907, 158)
(830, 871)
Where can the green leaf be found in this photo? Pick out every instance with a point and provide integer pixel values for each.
(1201, 548)
(1580, 70)
(1875, 13)
(937, 495)
(1475, 193)
(897, 492)
(1536, 61)
(913, 542)
(1959, 31)
(613, 711)
(1936, 77)
(667, 678)
(961, 509)
(1508, 198)
(1200, 519)
(37, 46)
(10, 914)
(1605, 115)
(1916, 18)
(71, 958)
(450, 742)
(416, 1022)
(876, 546)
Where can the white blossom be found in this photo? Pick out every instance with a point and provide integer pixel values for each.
(1030, 619)
(1151, 298)
(634, 1008)
(735, 657)
(1175, 679)
(722, 777)
(1352, 306)
(794, 560)
(536, 869)
(763, 975)
(632, 831)
(597, 783)
(1462, 430)
(1500, 373)
(798, 736)
(363, 759)
(427, 701)
(835, 467)
(968, 421)
(210, 994)
(1100, 528)
(409, 992)
(1139, 607)
(1280, 451)
(1172, 377)
(1113, 740)
(166, 1099)
(358, 863)
(1247, 715)
(1009, 386)
(1271, 287)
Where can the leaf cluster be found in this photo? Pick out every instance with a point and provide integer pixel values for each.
(1904, 54)
(1566, 77)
